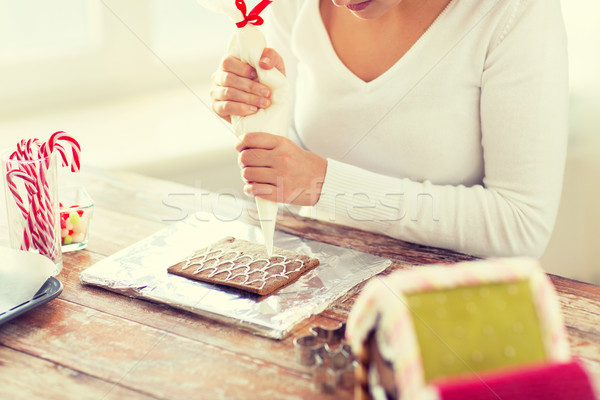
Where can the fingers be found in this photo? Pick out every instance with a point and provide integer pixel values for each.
(235, 90)
(255, 158)
(277, 169)
(225, 109)
(266, 191)
(259, 175)
(271, 59)
(231, 80)
(229, 101)
(258, 140)
(280, 193)
(230, 94)
(238, 67)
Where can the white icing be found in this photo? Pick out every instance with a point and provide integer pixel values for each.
(236, 264)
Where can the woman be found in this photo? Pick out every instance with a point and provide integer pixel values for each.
(440, 122)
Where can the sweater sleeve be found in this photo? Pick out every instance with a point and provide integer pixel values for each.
(523, 111)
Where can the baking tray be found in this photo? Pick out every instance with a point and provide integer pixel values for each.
(51, 289)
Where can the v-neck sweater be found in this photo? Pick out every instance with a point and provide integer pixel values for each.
(460, 144)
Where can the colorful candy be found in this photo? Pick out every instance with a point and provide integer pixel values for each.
(73, 225)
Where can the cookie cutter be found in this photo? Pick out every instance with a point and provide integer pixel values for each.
(331, 359)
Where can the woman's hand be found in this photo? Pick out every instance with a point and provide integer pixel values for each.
(277, 169)
(235, 88)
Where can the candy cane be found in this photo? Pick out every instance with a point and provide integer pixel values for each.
(25, 149)
(32, 231)
(45, 233)
(12, 186)
(54, 144)
(47, 213)
(27, 239)
(37, 210)
(43, 209)
(41, 218)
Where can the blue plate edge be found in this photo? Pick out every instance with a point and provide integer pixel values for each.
(52, 288)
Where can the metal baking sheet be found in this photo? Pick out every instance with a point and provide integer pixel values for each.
(51, 289)
(141, 271)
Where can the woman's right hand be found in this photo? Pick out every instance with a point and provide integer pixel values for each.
(235, 88)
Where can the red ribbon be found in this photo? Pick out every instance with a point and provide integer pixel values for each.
(253, 17)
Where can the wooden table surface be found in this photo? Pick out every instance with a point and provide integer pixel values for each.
(94, 344)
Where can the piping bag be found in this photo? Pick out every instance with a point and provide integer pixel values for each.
(247, 44)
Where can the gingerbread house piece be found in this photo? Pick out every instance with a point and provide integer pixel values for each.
(479, 330)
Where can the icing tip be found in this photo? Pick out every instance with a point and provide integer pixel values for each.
(269, 247)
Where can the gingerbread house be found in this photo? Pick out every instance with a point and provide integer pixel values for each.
(484, 329)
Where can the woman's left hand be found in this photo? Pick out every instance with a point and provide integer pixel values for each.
(277, 169)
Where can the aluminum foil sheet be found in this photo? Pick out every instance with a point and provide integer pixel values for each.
(141, 271)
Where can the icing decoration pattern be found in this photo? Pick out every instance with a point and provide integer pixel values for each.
(243, 268)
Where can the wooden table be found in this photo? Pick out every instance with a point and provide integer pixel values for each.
(93, 344)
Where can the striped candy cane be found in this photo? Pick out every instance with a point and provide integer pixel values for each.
(30, 164)
(55, 143)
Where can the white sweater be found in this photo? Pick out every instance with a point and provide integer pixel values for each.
(461, 144)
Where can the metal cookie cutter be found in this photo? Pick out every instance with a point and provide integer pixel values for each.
(330, 358)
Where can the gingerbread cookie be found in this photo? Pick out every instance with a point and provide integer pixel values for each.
(244, 265)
